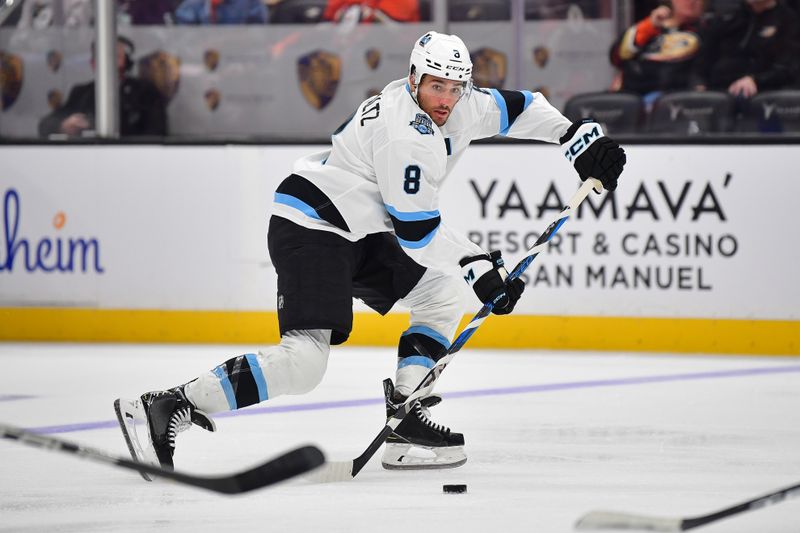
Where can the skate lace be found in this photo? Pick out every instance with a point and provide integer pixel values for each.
(422, 415)
(181, 420)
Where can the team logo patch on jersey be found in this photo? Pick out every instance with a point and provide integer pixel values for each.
(319, 74)
(164, 70)
(10, 79)
(422, 123)
(489, 68)
(674, 46)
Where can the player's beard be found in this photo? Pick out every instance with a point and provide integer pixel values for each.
(432, 111)
(440, 115)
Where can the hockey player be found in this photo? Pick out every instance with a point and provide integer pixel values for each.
(361, 220)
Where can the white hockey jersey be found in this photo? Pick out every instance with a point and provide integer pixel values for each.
(385, 169)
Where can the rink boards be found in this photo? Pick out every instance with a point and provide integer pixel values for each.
(696, 251)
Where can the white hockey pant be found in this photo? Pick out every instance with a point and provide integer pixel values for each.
(295, 366)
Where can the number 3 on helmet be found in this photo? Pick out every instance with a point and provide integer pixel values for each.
(444, 56)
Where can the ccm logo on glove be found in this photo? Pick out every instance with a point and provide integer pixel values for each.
(582, 139)
(593, 154)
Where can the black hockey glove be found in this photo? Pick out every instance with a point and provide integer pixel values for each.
(486, 275)
(593, 154)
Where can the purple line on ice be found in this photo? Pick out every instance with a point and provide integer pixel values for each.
(639, 380)
(524, 389)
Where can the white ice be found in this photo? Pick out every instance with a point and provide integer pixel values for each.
(699, 439)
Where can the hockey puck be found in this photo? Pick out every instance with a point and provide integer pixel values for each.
(454, 489)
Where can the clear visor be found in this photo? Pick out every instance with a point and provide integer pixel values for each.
(449, 89)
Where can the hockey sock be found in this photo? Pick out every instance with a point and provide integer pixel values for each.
(418, 350)
(238, 382)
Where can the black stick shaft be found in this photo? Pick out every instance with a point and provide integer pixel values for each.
(290, 464)
(751, 505)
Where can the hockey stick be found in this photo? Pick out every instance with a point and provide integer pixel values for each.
(616, 520)
(285, 466)
(345, 470)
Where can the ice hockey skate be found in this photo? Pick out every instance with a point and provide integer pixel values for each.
(418, 442)
(151, 422)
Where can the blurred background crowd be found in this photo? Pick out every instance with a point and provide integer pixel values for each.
(292, 70)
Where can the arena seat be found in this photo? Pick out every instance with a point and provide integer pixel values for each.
(772, 112)
(616, 112)
(692, 113)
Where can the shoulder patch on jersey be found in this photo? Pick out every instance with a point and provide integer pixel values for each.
(423, 124)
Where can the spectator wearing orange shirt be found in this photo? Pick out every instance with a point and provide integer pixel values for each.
(374, 10)
(656, 54)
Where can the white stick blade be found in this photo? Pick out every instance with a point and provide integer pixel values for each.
(615, 520)
(331, 472)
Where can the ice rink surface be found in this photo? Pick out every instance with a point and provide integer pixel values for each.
(550, 436)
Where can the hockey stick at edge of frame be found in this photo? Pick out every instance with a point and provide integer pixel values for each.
(627, 521)
(287, 465)
(334, 471)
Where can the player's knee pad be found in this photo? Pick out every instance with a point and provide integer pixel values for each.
(298, 364)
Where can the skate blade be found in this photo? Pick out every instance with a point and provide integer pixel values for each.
(412, 457)
(128, 413)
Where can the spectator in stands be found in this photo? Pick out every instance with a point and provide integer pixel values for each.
(221, 12)
(373, 10)
(752, 49)
(41, 14)
(142, 107)
(147, 12)
(657, 53)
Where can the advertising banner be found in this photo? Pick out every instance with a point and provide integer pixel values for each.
(693, 232)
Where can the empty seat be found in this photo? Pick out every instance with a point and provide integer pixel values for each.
(616, 112)
(772, 112)
(692, 113)
(478, 10)
(297, 11)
